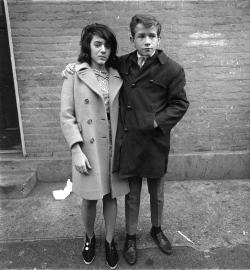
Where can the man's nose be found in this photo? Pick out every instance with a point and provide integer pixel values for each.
(147, 40)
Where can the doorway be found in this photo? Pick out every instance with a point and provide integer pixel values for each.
(9, 126)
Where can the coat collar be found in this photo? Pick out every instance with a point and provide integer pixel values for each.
(86, 74)
(162, 57)
(128, 59)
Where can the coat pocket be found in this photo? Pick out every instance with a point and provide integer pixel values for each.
(140, 120)
(158, 83)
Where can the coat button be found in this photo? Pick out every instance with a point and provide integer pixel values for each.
(92, 140)
(151, 81)
(125, 129)
(133, 85)
(89, 121)
(129, 108)
(86, 101)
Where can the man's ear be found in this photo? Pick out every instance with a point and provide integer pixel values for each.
(131, 39)
(159, 40)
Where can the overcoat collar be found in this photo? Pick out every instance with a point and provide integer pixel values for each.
(86, 74)
(163, 58)
(132, 57)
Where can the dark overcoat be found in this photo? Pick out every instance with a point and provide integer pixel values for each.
(154, 92)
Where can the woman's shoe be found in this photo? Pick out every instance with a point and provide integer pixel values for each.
(88, 251)
(111, 254)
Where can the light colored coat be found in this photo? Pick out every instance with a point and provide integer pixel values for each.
(84, 119)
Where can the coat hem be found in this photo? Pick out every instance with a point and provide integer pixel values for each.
(125, 176)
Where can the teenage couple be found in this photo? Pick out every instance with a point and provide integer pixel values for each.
(116, 116)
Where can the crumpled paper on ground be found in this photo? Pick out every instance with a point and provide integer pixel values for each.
(63, 193)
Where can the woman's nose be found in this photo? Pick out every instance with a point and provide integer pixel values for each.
(103, 49)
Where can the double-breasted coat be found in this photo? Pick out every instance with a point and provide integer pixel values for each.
(84, 120)
(154, 92)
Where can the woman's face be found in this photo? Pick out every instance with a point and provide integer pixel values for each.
(100, 52)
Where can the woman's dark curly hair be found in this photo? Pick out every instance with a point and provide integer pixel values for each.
(101, 31)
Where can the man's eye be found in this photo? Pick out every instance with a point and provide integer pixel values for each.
(152, 36)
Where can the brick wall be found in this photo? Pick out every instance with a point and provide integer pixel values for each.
(211, 39)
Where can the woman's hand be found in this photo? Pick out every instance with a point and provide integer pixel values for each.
(80, 160)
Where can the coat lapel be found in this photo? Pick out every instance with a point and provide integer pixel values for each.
(115, 83)
(86, 74)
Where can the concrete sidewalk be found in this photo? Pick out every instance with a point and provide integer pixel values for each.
(39, 232)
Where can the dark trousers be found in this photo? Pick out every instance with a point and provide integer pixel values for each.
(132, 202)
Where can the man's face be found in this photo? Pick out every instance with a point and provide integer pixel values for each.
(145, 40)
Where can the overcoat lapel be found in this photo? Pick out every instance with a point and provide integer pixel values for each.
(115, 83)
(142, 75)
(86, 74)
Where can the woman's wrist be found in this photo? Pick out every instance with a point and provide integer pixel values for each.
(76, 148)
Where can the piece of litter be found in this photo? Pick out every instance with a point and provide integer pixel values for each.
(186, 237)
(245, 233)
(62, 194)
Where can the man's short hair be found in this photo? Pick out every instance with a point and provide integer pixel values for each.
(147, 20)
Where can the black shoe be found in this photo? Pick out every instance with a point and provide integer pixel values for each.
(111, 254)
(88, 251)
(129, 251)
(162, 242)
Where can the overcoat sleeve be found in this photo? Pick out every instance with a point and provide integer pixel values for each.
(177, 103)
(67, 114)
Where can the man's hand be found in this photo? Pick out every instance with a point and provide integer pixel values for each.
(70, 68)
(80, 160)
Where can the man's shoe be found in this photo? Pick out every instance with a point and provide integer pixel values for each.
(111, 254)
(162, 242)
(129, 251)
(88, 251)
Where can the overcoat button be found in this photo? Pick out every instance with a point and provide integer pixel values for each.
(92, 140)
(86, 101)
(89, 121)
(133, 85)
(151, 81)
(125, 129)
(129, 108)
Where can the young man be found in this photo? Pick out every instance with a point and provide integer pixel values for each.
(152, 102)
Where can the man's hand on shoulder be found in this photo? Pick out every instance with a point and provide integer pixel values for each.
(70, 68)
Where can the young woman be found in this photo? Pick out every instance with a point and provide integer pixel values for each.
(89, 115)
